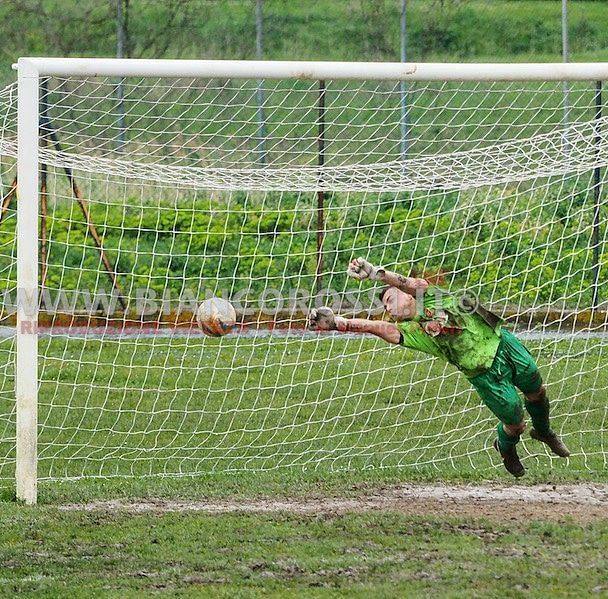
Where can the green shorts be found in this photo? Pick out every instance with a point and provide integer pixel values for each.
(512, 367)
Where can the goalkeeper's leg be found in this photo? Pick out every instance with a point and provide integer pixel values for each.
(502, 398)
(537, 405)
(506, 442)
(528, 380)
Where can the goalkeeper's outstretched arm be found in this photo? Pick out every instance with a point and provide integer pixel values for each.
(361, 269)
(323, 319)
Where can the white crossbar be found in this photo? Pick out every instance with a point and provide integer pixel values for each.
(395, 71)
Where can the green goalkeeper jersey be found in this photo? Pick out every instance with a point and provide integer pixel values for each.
(443, 329)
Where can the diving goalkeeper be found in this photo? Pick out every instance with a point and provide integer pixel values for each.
(465, 334)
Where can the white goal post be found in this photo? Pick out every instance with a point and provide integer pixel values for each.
(447, 169)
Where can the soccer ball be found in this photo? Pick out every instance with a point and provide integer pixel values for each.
(216, 317)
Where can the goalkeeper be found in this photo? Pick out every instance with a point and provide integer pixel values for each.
(466, 335)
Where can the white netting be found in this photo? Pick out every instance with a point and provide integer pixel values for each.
(495, 194)
(520, 160)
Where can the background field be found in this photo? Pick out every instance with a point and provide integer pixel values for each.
(493, 30)
(454, 548)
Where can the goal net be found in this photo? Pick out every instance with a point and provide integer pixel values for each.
(156, 193)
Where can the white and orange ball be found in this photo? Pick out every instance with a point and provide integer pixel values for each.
(216, 317)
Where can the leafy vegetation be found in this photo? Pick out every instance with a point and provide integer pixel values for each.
(507, 244)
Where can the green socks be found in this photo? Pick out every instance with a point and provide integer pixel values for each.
(505, 442)
(539, 413)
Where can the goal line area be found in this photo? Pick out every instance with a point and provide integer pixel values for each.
(133, 190)
(581, 502)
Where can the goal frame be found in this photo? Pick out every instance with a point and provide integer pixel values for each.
(29, 72)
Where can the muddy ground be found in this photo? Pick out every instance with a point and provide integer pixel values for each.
(581, 502)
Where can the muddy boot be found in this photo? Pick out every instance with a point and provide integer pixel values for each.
(556, 445)
(511, 460)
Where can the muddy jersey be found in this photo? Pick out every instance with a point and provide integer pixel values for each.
(443, 329)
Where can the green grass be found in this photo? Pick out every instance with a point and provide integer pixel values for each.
(271, 412)
(250, 404)
(288, 483)
(48, 553)
(323, 29)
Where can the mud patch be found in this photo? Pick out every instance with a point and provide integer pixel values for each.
(583, 502)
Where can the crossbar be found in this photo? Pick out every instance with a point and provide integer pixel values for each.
(257, 69)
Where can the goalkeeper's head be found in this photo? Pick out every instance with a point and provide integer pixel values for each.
(400, 305)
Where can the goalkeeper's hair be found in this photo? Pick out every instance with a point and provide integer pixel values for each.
(383, 293)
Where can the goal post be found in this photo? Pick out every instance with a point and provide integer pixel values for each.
(479, 192)
(26, 380)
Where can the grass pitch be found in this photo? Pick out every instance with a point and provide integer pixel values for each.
(191, 405)
(282, 417)
(271, 406)
(48, 553)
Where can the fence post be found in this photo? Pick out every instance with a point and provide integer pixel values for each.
(595, 237)
(565, 58)
(121, 46)
(259, 51)
(402, 84)
(320, 192)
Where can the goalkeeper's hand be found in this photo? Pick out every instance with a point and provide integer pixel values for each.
(322, 319)
(361, 269)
